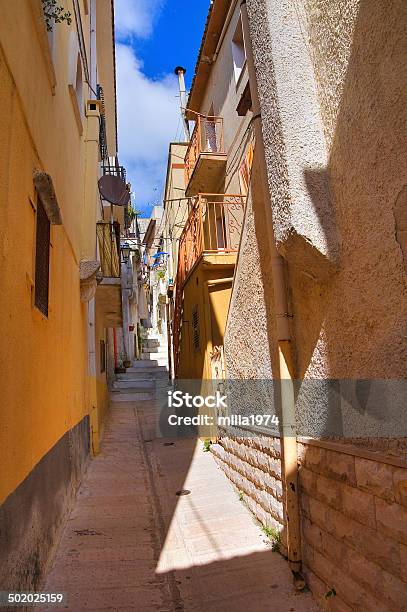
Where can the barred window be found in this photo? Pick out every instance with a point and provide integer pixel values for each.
(196, 339)
(42, 246)
(102, 356)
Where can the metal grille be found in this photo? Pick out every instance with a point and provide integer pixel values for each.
(114, 170)
(214, 225)
(42, 244)
(102, 125)
(207, 137)
(196, 340)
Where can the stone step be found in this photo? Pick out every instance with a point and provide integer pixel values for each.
(154, 354)
(151, 343)
(130, 396)
(152, 349)
(147, 372)
(136, 385)
(142, 363)
(156, 372)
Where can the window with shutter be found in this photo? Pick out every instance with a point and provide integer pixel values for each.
(42, 246)
(196, 340)
(102, 356)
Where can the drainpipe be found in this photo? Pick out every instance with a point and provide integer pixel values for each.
(116, 361)
(289, 440)
(126, 310)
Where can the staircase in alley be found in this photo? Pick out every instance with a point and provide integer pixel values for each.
(141, 379)
(156, 524)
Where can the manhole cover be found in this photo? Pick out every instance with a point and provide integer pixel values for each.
(183, 492)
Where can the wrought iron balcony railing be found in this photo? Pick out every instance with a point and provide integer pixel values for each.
(208, 138)
(114, 170)
(102, 124)
(108, 235)
(213, 226)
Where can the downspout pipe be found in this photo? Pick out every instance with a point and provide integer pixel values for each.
(285, 351)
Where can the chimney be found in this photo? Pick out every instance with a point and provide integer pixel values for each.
(180, 71)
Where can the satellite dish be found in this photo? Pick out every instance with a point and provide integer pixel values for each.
(113, 189)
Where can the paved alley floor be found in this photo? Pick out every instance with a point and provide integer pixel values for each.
(157, 526)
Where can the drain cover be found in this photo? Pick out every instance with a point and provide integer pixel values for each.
(183, 492)
(168, 444)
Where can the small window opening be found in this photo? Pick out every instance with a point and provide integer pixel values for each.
(196, 340)
(238, 51)
(79, 85)
(42, 249)
(102, 356)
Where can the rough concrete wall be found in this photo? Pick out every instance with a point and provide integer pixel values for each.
(364, 328)
(32, 516)
(253, 461)
(293, 131)
(247, 350)
(348, 310)
(332, 83)
(330, 28)
(353, 518)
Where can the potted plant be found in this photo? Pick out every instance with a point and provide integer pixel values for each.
(120, 369)
(126, 362)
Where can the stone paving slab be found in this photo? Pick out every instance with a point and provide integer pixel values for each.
(131, 543)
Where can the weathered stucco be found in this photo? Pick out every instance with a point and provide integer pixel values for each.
(348, 318)
(332, 82)
(247, 349)
(53, 392)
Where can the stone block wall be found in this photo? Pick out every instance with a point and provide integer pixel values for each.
(354, 527)
(353, 511)
(253, 465)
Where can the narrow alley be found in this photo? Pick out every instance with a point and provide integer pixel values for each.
(203, 306)
(135, 541)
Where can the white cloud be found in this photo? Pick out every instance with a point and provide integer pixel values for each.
(135, 17)
(148, 117)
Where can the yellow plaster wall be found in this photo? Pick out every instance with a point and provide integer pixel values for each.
(213, 303)
(101, 384)
(104, 41)
(43, 362)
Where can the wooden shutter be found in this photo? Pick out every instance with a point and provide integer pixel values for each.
(42, 245)
(102, 356)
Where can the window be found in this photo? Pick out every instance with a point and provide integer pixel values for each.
(238, 51)
(75, 80)
(102, 356)
(52, 43)
(196, 340)
(42, 248)
(79, 84)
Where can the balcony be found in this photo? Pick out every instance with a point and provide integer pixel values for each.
(108, 293)
(212, 235)
(108, 235)
(205, 159)
(213, 227)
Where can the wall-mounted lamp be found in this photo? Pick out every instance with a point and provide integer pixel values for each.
(126, 250)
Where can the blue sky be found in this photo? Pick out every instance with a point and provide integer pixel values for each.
(152, 37)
